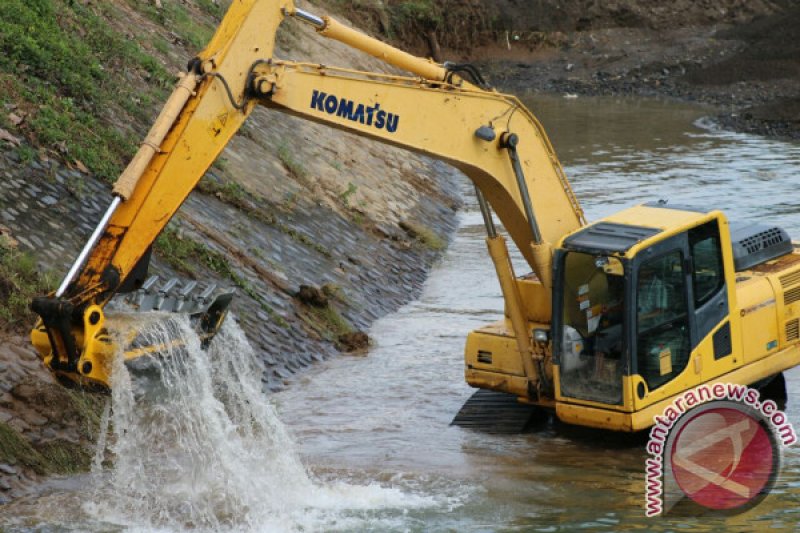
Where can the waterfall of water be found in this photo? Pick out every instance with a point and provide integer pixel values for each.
(203, 449)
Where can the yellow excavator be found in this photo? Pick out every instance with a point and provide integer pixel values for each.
(617, 318)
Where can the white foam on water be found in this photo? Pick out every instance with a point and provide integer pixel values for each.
(205, 451)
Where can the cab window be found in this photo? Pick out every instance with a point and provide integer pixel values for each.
(707, 276)
(592, 353)
(662, 319)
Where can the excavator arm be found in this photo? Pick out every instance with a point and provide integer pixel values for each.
(491, 137)
(444, 121)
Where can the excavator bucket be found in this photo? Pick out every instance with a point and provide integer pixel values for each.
(127, 324)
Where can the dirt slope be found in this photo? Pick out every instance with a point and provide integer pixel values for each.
(743, 57)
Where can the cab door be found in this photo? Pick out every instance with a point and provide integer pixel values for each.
(681, 314)
(713, 345)
(662, 318)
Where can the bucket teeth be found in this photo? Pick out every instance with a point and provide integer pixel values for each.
(205, 296)
(175, 296)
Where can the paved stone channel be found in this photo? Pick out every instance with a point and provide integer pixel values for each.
(325, 208)
(51, 210)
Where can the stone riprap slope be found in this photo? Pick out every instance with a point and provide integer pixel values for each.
(289, 204)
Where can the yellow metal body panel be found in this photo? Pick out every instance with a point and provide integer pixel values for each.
(668, 220)
(440, 120)
(495, 343)
(537, 300)
(783, 275)
(642, 419)
(493, 360)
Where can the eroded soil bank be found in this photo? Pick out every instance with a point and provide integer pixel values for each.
(742, 58)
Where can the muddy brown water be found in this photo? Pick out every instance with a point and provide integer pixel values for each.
(374, 431)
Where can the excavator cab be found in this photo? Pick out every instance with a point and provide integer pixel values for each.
(633, 304)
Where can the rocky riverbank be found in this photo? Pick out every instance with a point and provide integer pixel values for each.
(291, 209)
(743, 60)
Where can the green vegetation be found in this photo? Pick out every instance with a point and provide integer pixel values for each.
(215, 9)
(176, 16)
(57, 456)
(182, 253)
(89, 407)
(427, 237)
(422, 13)
(345, 195)
(423, 235)
(229, 192)
(322, 317)
(70, 76)
(26, 153)
(294, 167)
(20, 281)
(65, 457)
(14, 449)
(252, 293)
(160, 44)
(333, 324)
(334, 292)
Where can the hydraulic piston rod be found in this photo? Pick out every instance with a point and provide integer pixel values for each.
(89, 246)
(335, 30)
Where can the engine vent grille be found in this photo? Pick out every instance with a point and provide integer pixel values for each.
(485, 357)
(755, 243)
(765, 239)
(791, 296)
(790, 279)
(793, 330)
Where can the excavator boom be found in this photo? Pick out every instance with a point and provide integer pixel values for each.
(490, 136)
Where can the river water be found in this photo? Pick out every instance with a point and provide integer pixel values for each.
(367, 444)
(386, 416)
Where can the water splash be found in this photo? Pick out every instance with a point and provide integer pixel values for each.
(205, 451)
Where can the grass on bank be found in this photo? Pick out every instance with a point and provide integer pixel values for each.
(423, 235)
(174, 15)
(182, 253)
(20, 281)
(73, 84)
(56, 456)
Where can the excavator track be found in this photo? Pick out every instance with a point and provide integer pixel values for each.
(490, 411)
